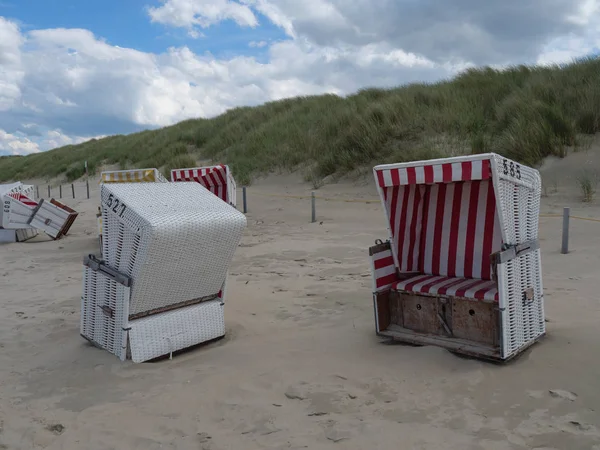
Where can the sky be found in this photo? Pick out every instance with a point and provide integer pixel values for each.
(72, 70)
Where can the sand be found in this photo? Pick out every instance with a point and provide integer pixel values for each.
(301, 366)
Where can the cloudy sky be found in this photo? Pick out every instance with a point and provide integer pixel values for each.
(75, 69)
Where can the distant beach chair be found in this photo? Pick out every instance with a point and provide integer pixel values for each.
(462, 266)
(217, 179)
(161, 285)
(22, 217)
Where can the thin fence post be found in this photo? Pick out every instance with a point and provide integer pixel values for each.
(49, 191)
(565, 231)
(60, 190)
(87, 186)
(244, 199)
(313, 207)
(37, 192)
(73, 189)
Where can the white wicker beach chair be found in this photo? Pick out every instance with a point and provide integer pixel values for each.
(217, 179)
(166, 252)
(462, 266)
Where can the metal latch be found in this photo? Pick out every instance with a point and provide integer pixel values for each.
(98, 265)
(108, 311)
(513, 251)
(528, 295)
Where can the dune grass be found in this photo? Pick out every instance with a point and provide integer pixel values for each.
(524, 112)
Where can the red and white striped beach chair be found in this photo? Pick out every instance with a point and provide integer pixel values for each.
(217, 179)
(462, 266)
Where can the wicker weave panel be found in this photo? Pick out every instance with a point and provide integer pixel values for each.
(159, 335)
(176, 240)
(518, 190)
(99, 327)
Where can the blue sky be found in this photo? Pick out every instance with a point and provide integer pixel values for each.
(125, 23)
(71, 70)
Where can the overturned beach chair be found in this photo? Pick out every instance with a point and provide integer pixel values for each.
(462, 267)
(25, 216)
(161, 284)
(217, 179)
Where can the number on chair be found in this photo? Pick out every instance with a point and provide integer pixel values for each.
(114, 203)
(511, 168)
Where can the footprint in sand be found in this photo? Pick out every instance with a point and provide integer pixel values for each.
(559, 393)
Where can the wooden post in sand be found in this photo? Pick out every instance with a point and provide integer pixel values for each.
(73, 189)
(565, 231)
(37, 192)
(48, 191)
(313, 207)
(244, 199)
(60, 190)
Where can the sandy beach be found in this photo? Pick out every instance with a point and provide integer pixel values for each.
(301, 366)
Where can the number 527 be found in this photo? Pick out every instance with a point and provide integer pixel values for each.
(114, 203)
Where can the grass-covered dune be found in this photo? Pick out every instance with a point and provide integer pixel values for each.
(525, 113)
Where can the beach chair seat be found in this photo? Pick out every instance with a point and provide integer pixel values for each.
(469, 288)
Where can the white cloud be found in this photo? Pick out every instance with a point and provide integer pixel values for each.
(202, 13)
(257, 44)
(75, 83)
(11, 73)
(16, 145)
(20, 144)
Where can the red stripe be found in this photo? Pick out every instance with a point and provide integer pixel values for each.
(485, 169)
(413, 231)
(462, 291)
(426, 287)
(428, 174)
(388, 279)
(467, 167)
(221, 174)
(395, 173)
(453, 244)
(411, 174)
(211, 179)
(447, 173)
(480, 294)
(380, 178)
(471, 228)
(445, 288)
(411, 284)
(424, 228)
(402, 227)
(488, 237)
(393, 213)
(383, 262)
(437, 238)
